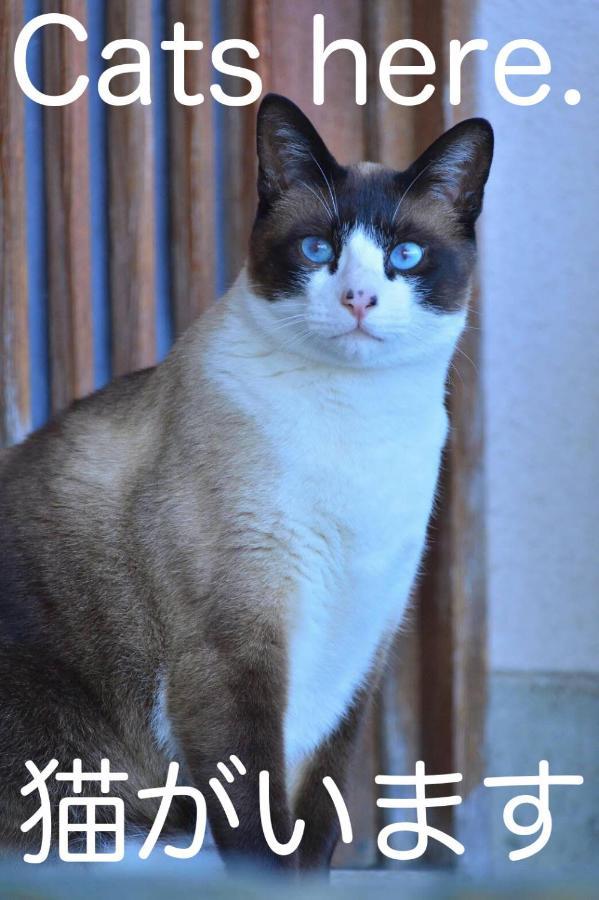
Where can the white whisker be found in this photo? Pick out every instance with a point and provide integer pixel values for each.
(465, 355)
(328, 184)
(319, 197)
(409, 187)
(288, 320)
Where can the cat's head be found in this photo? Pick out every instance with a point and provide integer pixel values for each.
(363, 265)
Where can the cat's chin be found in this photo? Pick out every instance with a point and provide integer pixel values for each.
(357, 334)
(359, 346)
(353, 349)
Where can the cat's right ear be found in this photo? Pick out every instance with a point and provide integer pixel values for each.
(456, 167)
(289, 148)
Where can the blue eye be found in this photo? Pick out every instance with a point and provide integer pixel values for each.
(317, 250)
(406, 255)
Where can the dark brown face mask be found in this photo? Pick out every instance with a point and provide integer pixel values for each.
(304, 191)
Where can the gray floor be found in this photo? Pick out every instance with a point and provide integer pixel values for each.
(172, 880)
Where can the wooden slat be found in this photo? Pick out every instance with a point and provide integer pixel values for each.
(391, 140)
(360, 799)
(400, 725)
(192, 173)
(435, 608)
(251, 21)
(452, 595)
(339, 120)
(389, 128)
(468, 552)
(282, 31)
(434, 704)
(427, 25)
(417, 696)
(68, 215)
(435, 596)
(131, 193)
(468, 518)
(14, 347)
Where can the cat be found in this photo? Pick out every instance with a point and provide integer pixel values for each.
(213, 556)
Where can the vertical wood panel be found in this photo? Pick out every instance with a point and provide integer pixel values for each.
(391, 140)
(252, 21)
(360, 798)
(468, 568)
(452, 597)
(131, 193)
(282, 31)
(339, 119)
(433, 702)
(417, 699)
(467, 524)
(14, 346)
(427, 25)
(192, 172)
(389, 127)
(435, 595)
(68, 213)
(435, 607)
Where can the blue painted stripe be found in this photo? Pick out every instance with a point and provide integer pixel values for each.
(98, 175)
(163, 309)
(218, 137)
(37, 279)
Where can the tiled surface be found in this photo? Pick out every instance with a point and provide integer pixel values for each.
(554, 717)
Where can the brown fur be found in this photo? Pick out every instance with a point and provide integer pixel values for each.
(119, 560)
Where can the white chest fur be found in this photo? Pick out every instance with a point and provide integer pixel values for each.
(357, 484)
(356, 455)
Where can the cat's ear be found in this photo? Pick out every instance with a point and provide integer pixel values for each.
(289, 148)
(456, 167)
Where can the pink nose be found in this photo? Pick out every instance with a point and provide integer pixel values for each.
(358, 302)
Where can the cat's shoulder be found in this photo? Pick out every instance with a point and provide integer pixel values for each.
(87, 428)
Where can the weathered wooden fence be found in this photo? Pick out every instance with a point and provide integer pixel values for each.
(119, 225)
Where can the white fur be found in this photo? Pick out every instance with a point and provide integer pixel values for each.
(161, 726)
(354, 427)
(316, 325)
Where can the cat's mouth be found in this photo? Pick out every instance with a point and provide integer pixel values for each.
(359, 332)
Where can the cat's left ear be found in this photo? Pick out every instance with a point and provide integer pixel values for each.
(456, 167)
(289, 148)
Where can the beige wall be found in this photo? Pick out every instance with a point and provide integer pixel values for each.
(540, 257)
(540, 370)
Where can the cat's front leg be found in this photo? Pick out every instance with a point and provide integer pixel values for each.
(227, 696)
(313, 802)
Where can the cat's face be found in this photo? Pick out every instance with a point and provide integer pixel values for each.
(363, 265)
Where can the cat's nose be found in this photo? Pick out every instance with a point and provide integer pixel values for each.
(358, 302)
